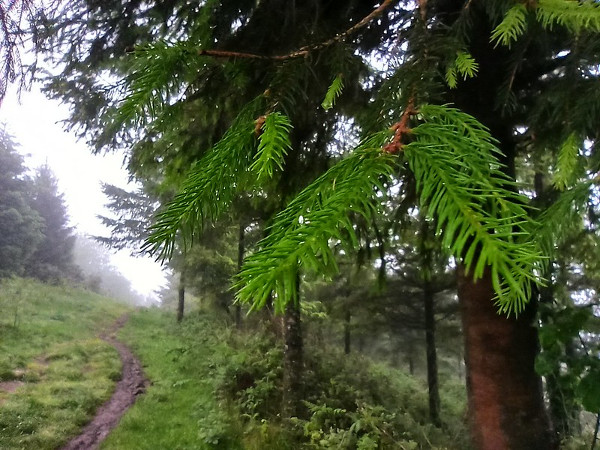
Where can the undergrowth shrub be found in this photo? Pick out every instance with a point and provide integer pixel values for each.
(350, 402)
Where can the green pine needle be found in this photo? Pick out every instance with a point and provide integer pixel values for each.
(481, 217)
(274, 143)
(464, 64)
(564, 216)
(572, 14)
(209, 188)
(566, 164)
(159, 71)
(512, 26)
(302, 234)
(334, 91)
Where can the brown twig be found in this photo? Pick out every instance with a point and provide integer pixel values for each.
(423, 10)
(304, 51)
(401, 129)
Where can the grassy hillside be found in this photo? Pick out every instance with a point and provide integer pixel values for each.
(54, 370)
(216, 388)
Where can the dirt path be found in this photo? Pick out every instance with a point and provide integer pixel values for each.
(132, 384)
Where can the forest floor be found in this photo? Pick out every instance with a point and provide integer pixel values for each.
(132, 383)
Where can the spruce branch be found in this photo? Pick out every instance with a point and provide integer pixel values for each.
(334, 91)
(209, 188)
(572, 14)
(564, 216)
(307, 49)
(566, 163)
(512, 26)
(464, 64)
(274, 143)
(321, 214)
(160, 70)
(482, 219)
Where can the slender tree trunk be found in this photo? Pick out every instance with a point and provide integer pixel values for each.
(426, 253)
(432, 368)
(347, 336)
(596, 428)
(180, 298)
(293, 357)
(240, 260)
(506, 404)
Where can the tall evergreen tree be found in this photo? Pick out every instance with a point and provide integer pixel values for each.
(53, 258)
(20, 225)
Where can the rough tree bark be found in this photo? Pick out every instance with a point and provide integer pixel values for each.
(505, 395)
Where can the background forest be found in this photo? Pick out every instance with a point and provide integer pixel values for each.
(349, 188)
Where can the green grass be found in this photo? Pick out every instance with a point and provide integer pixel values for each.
(215, 388)
(181, 398)
(48, 341)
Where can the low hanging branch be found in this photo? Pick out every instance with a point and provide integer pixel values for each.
(307, 49)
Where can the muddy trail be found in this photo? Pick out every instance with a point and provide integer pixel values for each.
(132, 384)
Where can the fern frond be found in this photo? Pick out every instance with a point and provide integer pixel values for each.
(464, 64)
(573, 14)
(301, 234)
(334, 91)
(274, 143)
(209, 188)
(566, 163)
(482, 218)
(512, 26)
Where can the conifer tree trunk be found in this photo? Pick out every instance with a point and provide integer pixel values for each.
(432, 368)
(427, 269)
(293, 356)
(240, 260)
(506, 407)
(347, 336)
(181, 298)
(505, 395)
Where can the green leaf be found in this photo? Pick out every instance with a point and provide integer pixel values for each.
(334, 91)
(512, 26)
(274, 143)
